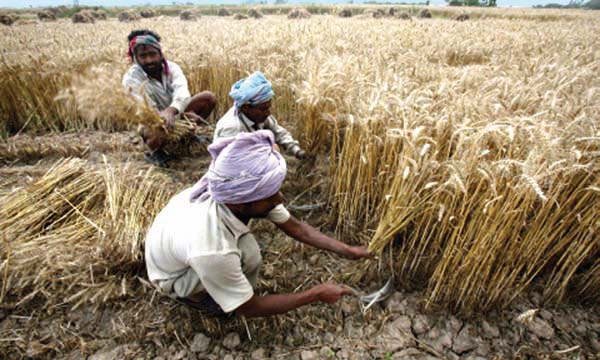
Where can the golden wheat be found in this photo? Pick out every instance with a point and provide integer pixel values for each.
(470, 156)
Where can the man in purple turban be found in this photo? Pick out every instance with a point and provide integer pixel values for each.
(251, 111)
(199, 249)
(162, 84)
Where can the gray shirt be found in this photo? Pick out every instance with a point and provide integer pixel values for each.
(235, 122)
(171, 90)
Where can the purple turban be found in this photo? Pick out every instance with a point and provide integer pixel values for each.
(244, 168)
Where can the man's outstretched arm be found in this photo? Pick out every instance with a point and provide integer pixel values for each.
(280, 303)
(307, 234)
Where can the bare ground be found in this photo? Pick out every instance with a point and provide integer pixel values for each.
(146, 325)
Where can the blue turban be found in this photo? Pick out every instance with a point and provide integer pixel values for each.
(255, 89)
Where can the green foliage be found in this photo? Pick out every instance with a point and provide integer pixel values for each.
(550, 6)
(573, 4)
(592, 4)
(483, 3)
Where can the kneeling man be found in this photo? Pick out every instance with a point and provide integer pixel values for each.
(199, 246)
(163, 85)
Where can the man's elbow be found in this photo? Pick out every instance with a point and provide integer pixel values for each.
(249, 309)
(243, 311)
(296, 229)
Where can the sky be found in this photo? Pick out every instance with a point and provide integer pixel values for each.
(42, 3)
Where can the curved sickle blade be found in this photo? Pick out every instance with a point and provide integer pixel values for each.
(382, 294)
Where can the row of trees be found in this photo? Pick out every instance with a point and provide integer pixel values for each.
(573, 4)
(485, 3)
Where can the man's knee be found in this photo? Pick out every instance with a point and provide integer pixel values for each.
(154, 138)
(202, 104)
(209, 98)
(251, 262)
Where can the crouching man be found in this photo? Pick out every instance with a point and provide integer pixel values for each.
(199, 246)
(251, 112)
(163, 85)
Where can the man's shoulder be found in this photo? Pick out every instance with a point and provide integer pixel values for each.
(172, 63)
(173, 66)
(134, 72)
(229, 119)
(181, 215)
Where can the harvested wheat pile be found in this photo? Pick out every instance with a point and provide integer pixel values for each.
(299, 13)
(127, 16)
(76, 235)
(425, 14)
(223, 12)
(187, 16)
(27, 148)
(83, 17)
(345, 13)
(402, 15)
(26, 22)
(148, 13)
(8, 19)
(240, 17)
(462, 17)
(255, 13)
(57, 10)
(46, 16)
(99, 14)
(374, 13)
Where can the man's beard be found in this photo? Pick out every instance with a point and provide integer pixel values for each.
(153, 68)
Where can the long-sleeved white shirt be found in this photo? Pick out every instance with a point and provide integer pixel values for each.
(235, 122)
(172, 90)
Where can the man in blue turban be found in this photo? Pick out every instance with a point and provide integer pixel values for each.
(251, 112)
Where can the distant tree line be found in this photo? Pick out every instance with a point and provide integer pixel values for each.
(483, 3)
(376, 2)
(573, 4)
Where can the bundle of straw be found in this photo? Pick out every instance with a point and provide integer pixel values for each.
(76, 235)
(24, 148)
(100, 99)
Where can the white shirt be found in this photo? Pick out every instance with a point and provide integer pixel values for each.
(171, 90)
(204, 236)
(235, 122)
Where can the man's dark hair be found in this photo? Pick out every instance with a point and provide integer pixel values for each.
(135, 33)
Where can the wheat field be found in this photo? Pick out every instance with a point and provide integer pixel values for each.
(464, 154)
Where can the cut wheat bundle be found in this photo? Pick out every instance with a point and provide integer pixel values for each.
(100, 99)
(76, 235)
